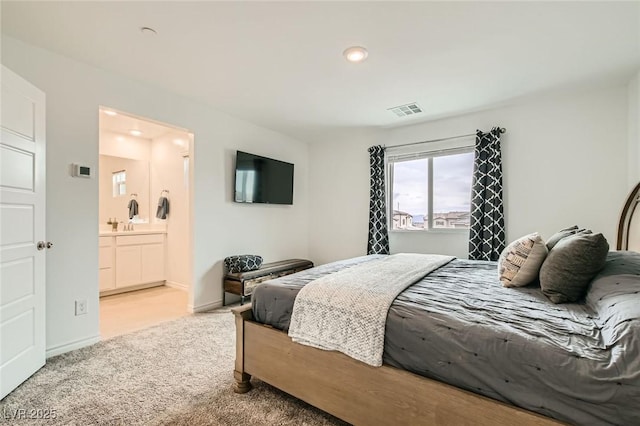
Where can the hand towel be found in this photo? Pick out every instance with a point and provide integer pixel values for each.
(163, 208)
(133, 208)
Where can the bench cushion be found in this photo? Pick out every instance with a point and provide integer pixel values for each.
(242, 263)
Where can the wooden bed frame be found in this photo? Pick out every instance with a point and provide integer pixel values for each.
(626, 218)
(356, 392)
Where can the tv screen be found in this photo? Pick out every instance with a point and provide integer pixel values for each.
(263, 180)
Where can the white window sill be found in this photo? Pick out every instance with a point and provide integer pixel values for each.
(430, 231)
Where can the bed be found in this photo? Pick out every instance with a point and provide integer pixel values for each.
(461, 349)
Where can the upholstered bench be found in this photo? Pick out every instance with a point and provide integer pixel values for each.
(243, 283)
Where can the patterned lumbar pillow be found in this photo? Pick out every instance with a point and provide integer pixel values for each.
(242, 263)
(520, 261)
(571, 265)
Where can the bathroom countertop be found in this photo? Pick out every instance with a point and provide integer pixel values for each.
(135, 232)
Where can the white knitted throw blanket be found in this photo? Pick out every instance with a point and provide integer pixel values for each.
(347, 311)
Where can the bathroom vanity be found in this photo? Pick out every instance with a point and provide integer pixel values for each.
(131, 260)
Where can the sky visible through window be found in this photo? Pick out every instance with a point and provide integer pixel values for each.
(452, 175)
(452, 183)
(410, 186)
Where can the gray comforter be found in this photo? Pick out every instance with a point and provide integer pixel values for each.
(579, 363)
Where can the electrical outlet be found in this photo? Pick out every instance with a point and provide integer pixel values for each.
(81, 307)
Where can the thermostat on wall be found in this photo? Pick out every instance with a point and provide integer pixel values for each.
(80, 171)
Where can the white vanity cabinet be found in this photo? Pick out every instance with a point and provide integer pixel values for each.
(105, 250)
(138, 262)
(128, 270)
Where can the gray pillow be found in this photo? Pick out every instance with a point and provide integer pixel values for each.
(571, 265)
(564, 233)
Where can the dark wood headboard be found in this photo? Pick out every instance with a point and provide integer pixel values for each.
(625, 231)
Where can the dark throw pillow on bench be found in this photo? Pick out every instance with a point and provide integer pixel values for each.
(571, 265)
(242, 263)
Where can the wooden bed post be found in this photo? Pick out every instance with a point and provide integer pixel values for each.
(243, 380)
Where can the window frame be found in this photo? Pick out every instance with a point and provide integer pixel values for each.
(417, 154)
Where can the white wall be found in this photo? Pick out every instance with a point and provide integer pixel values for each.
(633, 122)
(125, 146)
(220, 228)
(167, 172)
(564, 163)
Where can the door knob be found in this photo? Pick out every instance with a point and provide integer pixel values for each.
(43, 245)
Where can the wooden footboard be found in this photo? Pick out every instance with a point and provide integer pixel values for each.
(357, 392)
(243, 315)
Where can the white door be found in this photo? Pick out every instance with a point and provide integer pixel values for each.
(22, 227)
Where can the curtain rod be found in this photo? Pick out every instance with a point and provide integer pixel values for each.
(502, 130)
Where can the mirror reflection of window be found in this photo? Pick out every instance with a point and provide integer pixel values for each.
(245, 184)
(119, 180)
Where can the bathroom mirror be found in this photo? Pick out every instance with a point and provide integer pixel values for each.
(120, 180)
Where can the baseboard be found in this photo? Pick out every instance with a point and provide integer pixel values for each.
(131, 288)
(77, 344)
(205, 307)
(175, 284)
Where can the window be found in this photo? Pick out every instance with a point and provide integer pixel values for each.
(431, 190)
(119, 180)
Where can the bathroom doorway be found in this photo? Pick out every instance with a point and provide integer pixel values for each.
(144, 225)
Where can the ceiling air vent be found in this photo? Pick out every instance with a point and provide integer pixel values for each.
(408, 109)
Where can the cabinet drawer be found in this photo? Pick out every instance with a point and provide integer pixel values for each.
(105, 241)
(127, 240)
(105, 257)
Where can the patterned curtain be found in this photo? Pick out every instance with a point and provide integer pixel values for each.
(378, 234)
(487, 235)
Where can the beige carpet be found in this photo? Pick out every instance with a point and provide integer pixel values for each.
(176, 373)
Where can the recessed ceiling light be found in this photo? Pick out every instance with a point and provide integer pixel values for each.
(148, 31)
(178, 142)
(135, 132)
(109, 112)
(356, 54)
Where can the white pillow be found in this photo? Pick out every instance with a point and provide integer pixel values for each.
(520, 261)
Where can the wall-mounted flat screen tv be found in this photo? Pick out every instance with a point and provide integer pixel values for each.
(263, 180)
